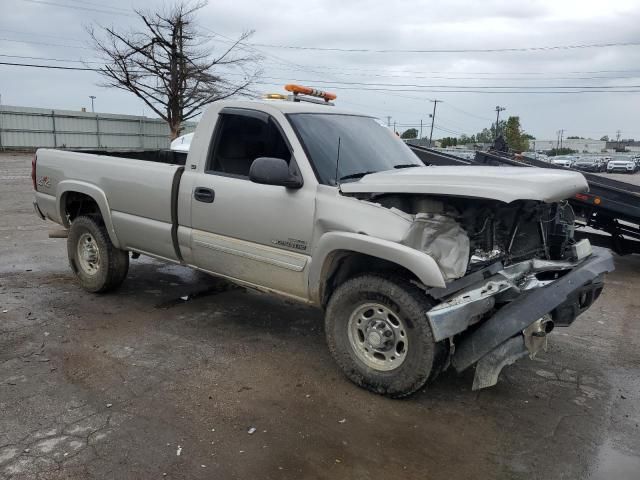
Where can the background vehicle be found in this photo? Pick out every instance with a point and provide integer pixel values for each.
(590, 164)
(563, 161)
(330, 208)
(622, 164)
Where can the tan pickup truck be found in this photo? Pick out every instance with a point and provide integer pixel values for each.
(417, 268)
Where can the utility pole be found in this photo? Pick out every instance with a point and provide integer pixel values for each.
(433, 119)
(561, 137)
(420, 136)
(618, 132)
(388, 120)
(557, 139)
(498, 110)
(92, 97)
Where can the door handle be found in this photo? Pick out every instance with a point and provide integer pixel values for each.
(205, 195)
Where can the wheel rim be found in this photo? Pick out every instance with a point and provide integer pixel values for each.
(88, 254)
(378, 336)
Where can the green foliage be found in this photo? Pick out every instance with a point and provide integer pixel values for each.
(501, 127)
(410, 133)
(574, 137)
(604, 138)
(514, 135)
(560, 151)
(448, 142)
(485, 136)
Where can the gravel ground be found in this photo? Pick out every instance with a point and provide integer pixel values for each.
(139, 384)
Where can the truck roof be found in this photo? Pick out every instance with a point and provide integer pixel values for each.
(286, 106)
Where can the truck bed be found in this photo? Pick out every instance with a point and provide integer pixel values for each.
(138, 193)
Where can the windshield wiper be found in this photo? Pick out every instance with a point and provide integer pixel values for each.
(407, 165)
(356, 175)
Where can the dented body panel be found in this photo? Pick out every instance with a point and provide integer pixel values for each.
(505, 184)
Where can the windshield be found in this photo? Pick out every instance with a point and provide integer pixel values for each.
(366, 146)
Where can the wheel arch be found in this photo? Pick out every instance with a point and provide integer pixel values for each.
(341, 255)
(70, 191)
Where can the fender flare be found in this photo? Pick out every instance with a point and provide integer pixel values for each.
(419, 263)
(96, 194)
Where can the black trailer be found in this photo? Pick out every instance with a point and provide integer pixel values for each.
(610, 206)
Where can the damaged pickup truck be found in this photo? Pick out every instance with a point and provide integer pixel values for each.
(418, 269)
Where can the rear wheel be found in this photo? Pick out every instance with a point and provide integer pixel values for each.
(97, 264)
(378, 333)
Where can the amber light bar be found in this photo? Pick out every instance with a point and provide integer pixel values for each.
(299, 89)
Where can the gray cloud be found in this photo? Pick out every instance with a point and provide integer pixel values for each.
(403, 24)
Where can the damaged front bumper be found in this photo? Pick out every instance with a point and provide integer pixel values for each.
(532, 295)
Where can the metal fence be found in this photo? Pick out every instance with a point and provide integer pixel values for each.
(28, 128)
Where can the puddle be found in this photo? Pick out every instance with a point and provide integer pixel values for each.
(613, 464)
(214, 290)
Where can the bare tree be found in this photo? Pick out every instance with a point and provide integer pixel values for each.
(168, 63)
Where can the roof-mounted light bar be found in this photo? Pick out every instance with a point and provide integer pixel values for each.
(300, 90)
(303, 94)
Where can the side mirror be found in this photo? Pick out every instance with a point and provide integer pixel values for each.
(273, 171)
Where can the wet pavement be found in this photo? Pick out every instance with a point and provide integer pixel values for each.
(142, 383)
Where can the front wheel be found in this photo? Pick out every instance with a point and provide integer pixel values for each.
(97, 264)
(378, 333)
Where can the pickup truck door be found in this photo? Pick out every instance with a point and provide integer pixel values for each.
(259, 234)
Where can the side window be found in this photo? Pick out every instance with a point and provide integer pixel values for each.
(240, 139)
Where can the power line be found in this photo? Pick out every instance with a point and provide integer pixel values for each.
(363, 73)
(38, 34)
(76, 7)
(44, 43)
(501, 92)
(360, 69)
(360, 83)
(55, 67)
(49, 59)
(413, 85)
(448, 50)
(60, 67)
(101, 5)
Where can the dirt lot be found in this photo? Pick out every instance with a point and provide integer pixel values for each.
(141, 384)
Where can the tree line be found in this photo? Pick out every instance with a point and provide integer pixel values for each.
(511, 129)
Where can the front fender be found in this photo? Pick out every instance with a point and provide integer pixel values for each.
(420, 264)
(92, 191)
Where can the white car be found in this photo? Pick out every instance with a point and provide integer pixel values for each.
(563, 162)
(624, 165)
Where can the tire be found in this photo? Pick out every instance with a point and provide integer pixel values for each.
(97, 264)
(359, 307)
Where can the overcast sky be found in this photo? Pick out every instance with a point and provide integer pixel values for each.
(50, 29)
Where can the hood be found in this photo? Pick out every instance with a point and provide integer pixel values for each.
(506, 184)
(620, 162)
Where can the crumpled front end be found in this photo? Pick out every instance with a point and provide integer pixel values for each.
(499, 314)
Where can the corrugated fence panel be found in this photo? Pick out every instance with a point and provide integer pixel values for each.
(26, 127)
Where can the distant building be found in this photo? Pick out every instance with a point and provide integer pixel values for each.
(582, 145)
(629, 145)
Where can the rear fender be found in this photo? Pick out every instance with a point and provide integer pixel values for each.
(96, 194)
